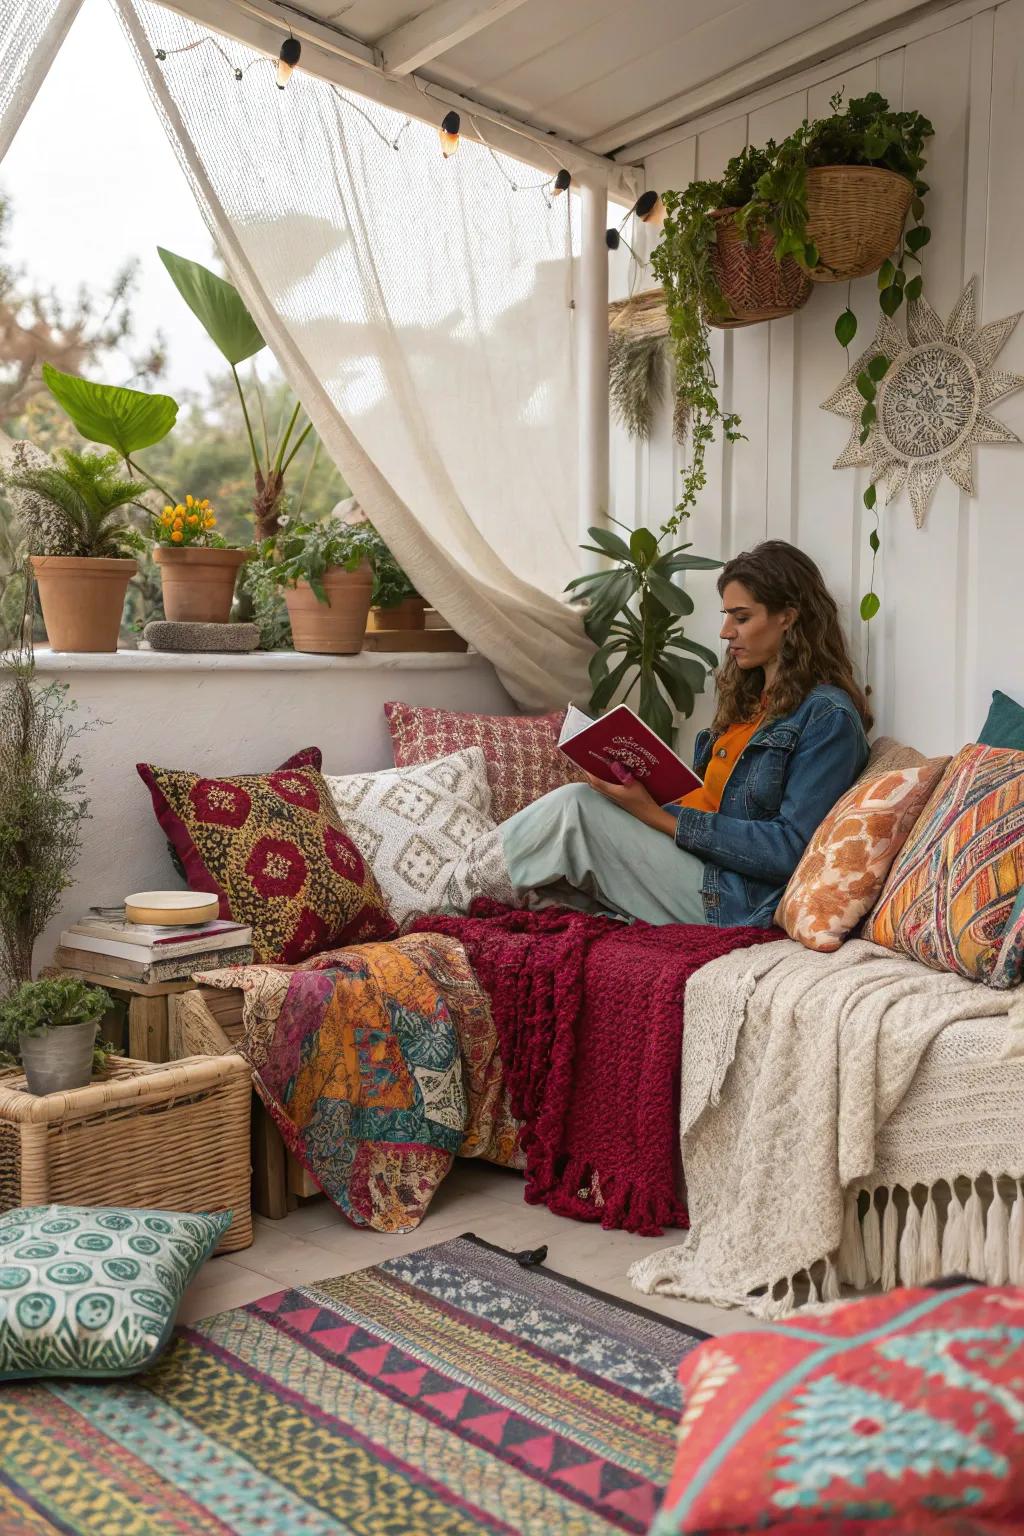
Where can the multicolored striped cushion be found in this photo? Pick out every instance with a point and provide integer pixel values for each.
(952, 896)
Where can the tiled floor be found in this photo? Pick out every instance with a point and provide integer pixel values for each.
(315, 1242)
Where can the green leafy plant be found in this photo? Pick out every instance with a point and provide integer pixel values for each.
(126, 420)
(307, 551)
(634, 615)
(222, 313)
(76, 506)
(41, 808)
(682, 262)
(51, 1003)
(391, 585)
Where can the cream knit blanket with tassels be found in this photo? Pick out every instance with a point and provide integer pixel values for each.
(794, 1064)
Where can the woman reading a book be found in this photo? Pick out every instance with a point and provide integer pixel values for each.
(788, 739)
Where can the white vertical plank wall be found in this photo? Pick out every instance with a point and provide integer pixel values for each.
(949, 631)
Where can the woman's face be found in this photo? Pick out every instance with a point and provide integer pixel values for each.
(753, 634)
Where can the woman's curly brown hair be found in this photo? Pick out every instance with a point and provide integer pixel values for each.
(814, 647)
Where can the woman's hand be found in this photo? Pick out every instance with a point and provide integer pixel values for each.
(637, 800)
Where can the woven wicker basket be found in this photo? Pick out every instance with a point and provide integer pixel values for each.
(170, 1137)
(855, 216)
(754, 285)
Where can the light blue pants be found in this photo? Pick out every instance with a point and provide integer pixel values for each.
(574, 837)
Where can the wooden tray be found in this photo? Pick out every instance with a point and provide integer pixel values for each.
(414, 640)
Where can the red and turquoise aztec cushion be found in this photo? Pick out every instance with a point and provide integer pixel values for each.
(897, 1414)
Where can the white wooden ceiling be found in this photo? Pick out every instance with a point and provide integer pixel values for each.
(602, 73)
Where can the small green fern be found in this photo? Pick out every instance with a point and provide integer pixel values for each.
(76, 506)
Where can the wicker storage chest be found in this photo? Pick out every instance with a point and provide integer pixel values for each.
(173, 1136)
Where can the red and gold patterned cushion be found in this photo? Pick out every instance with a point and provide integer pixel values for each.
(523, 760)
(271, 846)
(899, 1415)
(845, 864)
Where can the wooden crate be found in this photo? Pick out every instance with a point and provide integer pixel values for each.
(160, 1137)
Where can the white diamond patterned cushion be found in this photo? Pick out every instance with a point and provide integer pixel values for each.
(415, 826)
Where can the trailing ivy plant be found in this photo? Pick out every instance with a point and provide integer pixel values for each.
(635, 616)
(682, 263)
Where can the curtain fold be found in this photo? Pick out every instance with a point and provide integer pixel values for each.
(421, 308)
(31, 32)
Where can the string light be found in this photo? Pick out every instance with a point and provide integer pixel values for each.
(448, 133)
(649, 208)
(563, 181)
(202, 42)
(291, 52)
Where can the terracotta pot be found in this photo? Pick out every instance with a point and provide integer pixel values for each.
(337, 627)
(408, 614)
(82, 600)
(199, 584)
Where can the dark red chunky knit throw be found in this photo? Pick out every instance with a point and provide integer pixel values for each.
(589, 1014)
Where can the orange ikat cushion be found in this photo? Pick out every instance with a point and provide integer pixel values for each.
(844, 866)
(271, 846)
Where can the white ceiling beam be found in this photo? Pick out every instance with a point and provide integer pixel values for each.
(433, 32)
(867, 19)
(337, 57)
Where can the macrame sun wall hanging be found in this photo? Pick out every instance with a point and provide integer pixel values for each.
(930, 402)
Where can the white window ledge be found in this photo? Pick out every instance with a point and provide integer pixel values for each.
(281, 663)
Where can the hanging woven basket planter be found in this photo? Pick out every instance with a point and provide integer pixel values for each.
(754, 285)
(855, 216)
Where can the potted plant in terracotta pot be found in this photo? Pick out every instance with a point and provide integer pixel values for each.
(197, 568)
(326, 572)
(50, 1027)
(394, 603)
(74, 512)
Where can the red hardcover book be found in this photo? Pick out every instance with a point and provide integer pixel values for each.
(620, 743)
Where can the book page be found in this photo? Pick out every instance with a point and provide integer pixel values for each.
(574, 722)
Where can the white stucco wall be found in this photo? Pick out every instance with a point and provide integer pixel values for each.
(227, 714)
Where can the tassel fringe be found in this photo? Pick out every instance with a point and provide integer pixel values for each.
(982, 1236)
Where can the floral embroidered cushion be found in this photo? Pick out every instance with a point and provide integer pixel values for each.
(414, 825)
(270, 845)
(523, 760)
(844, 866)
(895, 1414)
(951, 897)
(93, 1291)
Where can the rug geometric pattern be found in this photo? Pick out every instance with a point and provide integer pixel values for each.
(447, 1392)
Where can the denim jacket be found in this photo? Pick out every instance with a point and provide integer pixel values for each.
(783, 784)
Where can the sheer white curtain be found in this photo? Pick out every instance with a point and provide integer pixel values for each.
(31, 31)
(421, 308)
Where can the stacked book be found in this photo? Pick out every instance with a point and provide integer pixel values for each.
(108, 946)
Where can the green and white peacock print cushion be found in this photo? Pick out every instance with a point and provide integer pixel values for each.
(94, 1291)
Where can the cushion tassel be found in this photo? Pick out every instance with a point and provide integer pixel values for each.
(954, 1238)
(929, 1255)
(830, 1289)
(890, 1228)
(997, 1239)
(1015, 1245)
(975, 1219)
(850, 1260)
(779, 1306)
(872, 1239)
(910, 1244)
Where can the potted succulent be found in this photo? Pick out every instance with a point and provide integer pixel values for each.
(197, 567)
(74, 512)
(50, 1027)
(326, 572)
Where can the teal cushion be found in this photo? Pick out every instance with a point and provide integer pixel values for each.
(1004, 726)
(93, 1291)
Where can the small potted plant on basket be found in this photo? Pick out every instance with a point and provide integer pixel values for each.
(326, 572)
(82, 546)
(50, 1027)
(197, 568)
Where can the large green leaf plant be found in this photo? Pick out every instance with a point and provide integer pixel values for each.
(635, 617)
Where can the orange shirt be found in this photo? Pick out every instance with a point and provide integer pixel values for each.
(726, 750)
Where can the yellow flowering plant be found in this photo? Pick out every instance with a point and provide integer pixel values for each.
(189, 523)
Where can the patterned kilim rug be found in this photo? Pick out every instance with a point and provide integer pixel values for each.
(452, 1391)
